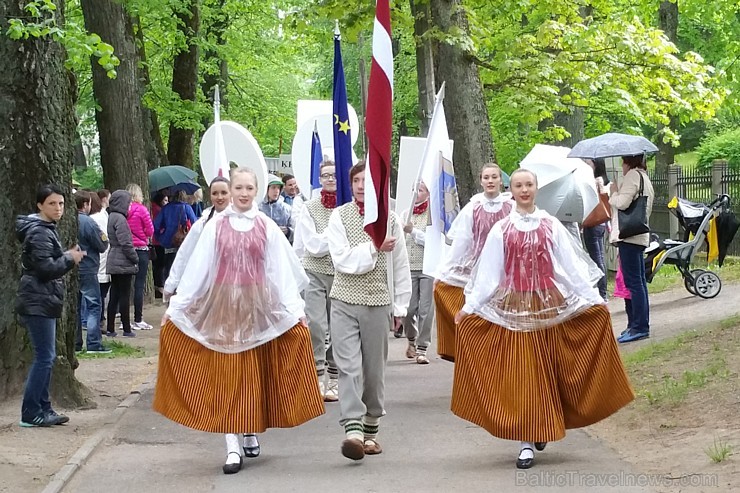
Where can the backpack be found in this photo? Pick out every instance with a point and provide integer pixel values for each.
(181, 233)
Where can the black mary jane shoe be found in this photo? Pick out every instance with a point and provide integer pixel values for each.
(233, 468)
(525, 463)
(540, 446)
(252, 452)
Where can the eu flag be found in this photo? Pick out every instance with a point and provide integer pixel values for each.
(316, 158)
(342, 135)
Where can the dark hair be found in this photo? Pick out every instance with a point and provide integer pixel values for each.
(600, 169)
(635, 161)
(325, 163)
(158, 198)
(44, 191)
(95, 204)
(220, 179)
(103, 193)
(81, 198)
(287, 178)
(356, 169)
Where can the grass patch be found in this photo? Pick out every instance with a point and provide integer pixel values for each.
(120, 350)
(719, 451)
(668, 276)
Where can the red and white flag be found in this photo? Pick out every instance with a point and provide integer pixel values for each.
(378, 126)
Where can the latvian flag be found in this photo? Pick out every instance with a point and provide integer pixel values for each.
(378, 127)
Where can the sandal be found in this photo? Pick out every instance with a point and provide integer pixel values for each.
(371, 447)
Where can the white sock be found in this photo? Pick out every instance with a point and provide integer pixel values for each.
(250, 441)
(526, 451)
(233, 450)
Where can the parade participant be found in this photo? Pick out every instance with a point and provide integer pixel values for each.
(363, 309)
(422, 289)
(275, 207)
(235, 353)
(535, 349)
(468, 234)
(312, 246)
(40, 299)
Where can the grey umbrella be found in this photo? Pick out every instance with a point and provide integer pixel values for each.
(612, 145)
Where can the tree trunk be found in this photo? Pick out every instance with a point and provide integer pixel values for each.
(424, 63)
(215, 69)
(465, 106)
(185, 84)
(36, 147)
(668, 22)
(120, 118)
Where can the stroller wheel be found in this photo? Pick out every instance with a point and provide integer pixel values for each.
(688, 282)
(707, 284)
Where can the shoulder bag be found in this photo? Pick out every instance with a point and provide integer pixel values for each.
(633, 220)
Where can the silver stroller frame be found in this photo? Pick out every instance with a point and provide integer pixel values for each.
(701, 282)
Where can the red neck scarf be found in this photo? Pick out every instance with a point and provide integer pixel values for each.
(329, 199)
(421, 208)
(361, 206)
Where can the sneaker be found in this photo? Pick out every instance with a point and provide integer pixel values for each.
(100, 350)
(332, 391)
(61, 418)
(141, 326)
(411, 351)
(112, 334)
(129, 334)
(632, 336)
(40, 421)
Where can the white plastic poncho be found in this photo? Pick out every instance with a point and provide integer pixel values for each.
(241, 287)
(534, 274)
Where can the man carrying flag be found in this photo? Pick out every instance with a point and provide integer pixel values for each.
(366, 263)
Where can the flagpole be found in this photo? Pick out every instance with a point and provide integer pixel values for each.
(437, 101)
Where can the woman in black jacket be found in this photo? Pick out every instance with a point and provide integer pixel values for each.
(40, 299)
(122, 263)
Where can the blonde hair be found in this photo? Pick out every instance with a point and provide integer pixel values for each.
(234, 171)
(136, 194)
(198, 195)
(520, 171)
(490, 165)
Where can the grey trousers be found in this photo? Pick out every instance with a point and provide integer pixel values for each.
(318, 309)
(422, 295)
(359, 335)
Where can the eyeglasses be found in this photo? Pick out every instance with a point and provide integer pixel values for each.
(328, 176)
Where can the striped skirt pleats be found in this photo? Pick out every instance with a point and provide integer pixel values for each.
(532, 386)
(271, 386)
(448, 300)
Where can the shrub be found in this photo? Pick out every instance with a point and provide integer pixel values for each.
(725, 145)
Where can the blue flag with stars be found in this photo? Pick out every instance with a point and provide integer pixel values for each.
(342, 132)
(316, 160)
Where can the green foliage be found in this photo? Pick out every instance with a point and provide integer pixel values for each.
(725, 145)
(91, 178)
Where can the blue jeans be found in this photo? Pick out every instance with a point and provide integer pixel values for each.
(90, 298)
(633, 270)
(140, 284)
(42, 331)
(593, 238)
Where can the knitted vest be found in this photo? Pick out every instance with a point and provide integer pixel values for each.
(371, 288)
(320, 216)
(416, 251)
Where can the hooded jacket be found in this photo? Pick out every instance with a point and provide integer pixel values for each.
(43, 263)
(122, 258)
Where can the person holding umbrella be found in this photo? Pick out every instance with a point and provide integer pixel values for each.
(172, 225)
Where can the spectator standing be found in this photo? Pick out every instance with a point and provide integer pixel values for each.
(293, 197)
(122, 262)
(40, 298)
(175, 218)
(159, 200)
(196, 203)
(142, 230)
(275, 208)
(99, 214)
(593, 237)
(93, 241)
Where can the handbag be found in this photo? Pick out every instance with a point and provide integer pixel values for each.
(600, 214)
(633, 220)
(181, 233)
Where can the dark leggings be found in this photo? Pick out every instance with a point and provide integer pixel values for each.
(120, 301)
(140, 284)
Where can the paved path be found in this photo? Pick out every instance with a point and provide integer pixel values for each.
(426, 448)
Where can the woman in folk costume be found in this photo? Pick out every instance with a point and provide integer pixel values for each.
(422, 289)
(468, 234)
(361, 309)
(235, 352)
(312, 246)
(535, 349)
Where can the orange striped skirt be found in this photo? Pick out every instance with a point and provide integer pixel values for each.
(448, 300)
(532, 386)
(271, 386)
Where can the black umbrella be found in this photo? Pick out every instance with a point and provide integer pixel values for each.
(727, 226)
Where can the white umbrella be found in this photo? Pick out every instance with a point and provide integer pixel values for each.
(567, 189)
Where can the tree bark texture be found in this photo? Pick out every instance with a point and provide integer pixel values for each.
(185, 84)
(465, 106)
(668, 22)
(123, 134)
(424, 63)
(36, 147)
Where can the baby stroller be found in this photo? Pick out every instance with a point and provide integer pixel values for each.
(700, 221)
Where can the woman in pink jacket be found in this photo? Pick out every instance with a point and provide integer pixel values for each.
(142, 230)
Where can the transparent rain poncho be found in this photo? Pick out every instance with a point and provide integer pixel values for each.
(468, 233)
(532, 274)
(241, 286)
